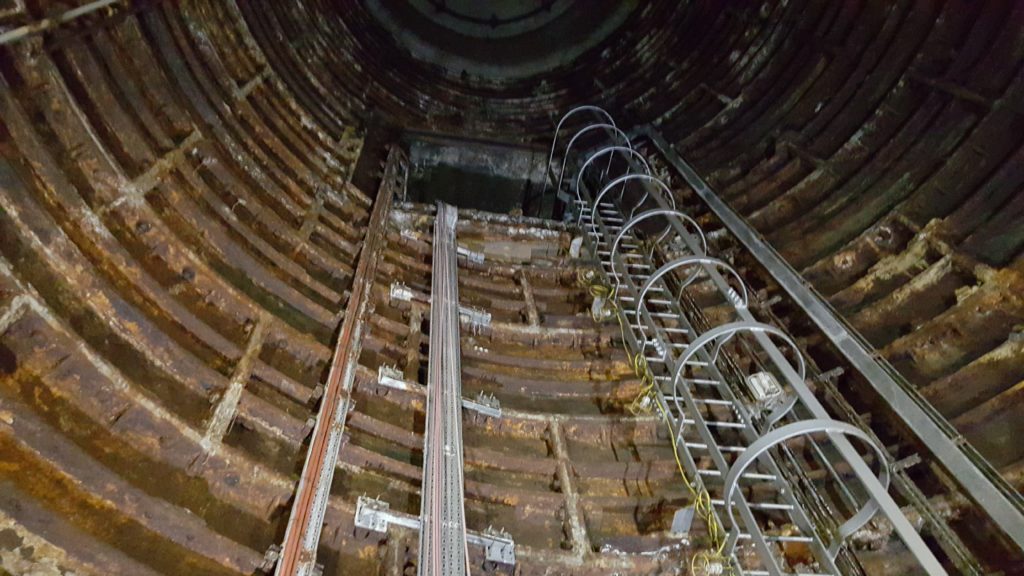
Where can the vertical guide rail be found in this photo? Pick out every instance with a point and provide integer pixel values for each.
(302, 536)
(443, 550)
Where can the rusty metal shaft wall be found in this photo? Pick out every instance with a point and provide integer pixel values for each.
(179, 231)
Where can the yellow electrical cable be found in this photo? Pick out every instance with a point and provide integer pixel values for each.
(701, 498)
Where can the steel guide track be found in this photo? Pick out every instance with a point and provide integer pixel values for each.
(443, 549)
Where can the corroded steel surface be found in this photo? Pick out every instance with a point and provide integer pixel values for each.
(179, 235)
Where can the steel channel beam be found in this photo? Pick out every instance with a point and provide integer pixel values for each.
(443, 550)
(879, 493)
(302, 535)
(982, 484)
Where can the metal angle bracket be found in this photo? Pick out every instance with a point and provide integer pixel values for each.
(376, 515)
(475, 317)
(498, 545)
(485, 404)
(392, 377)
(471, 255)
(401, 293)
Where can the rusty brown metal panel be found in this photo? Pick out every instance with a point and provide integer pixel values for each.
(304, 523)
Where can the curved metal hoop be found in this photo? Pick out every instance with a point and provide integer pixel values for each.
(581, 132)
(725, 332)
(626, 178)
(558, 129)
(609, 150)
(788, 432)
(681, 263)
(721, 335)
(691, 261)
(644, 216)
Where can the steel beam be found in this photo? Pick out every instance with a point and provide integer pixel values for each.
(443, 547)
(302, 536)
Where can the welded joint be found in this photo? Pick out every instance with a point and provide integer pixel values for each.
(151, 178)
(376, 516)
(242, 92)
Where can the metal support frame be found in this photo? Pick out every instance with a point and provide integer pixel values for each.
(476, 318)
(376, 516)
(969, 469)
(694, 397)
(443, 546)
(558, 129)
(302, 535)
(485, 404)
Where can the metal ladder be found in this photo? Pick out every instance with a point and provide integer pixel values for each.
(707, 419)
(722, 449)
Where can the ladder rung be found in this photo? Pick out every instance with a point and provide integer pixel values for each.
(777, 538)
(651, 359)
(700, 381)
(703, 446)
(712, 402)
(669, 329)
(669, 315)
(758, 505)
(747, 475)
(624, 255)
(717, 424)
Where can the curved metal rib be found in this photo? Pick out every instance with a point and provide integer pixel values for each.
(788, 432)
(644, 216)
(722, 334)
(609, 150)
(558, 129)
(582, 131)
(626, 178)
(681, 263)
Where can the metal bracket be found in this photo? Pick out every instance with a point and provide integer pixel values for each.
(401, 293)
(498, 545)
(376, 515)
(485, 404)
(476, 317)
(471, 255)
(270, 558)
(391, 377)
(682, 521)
